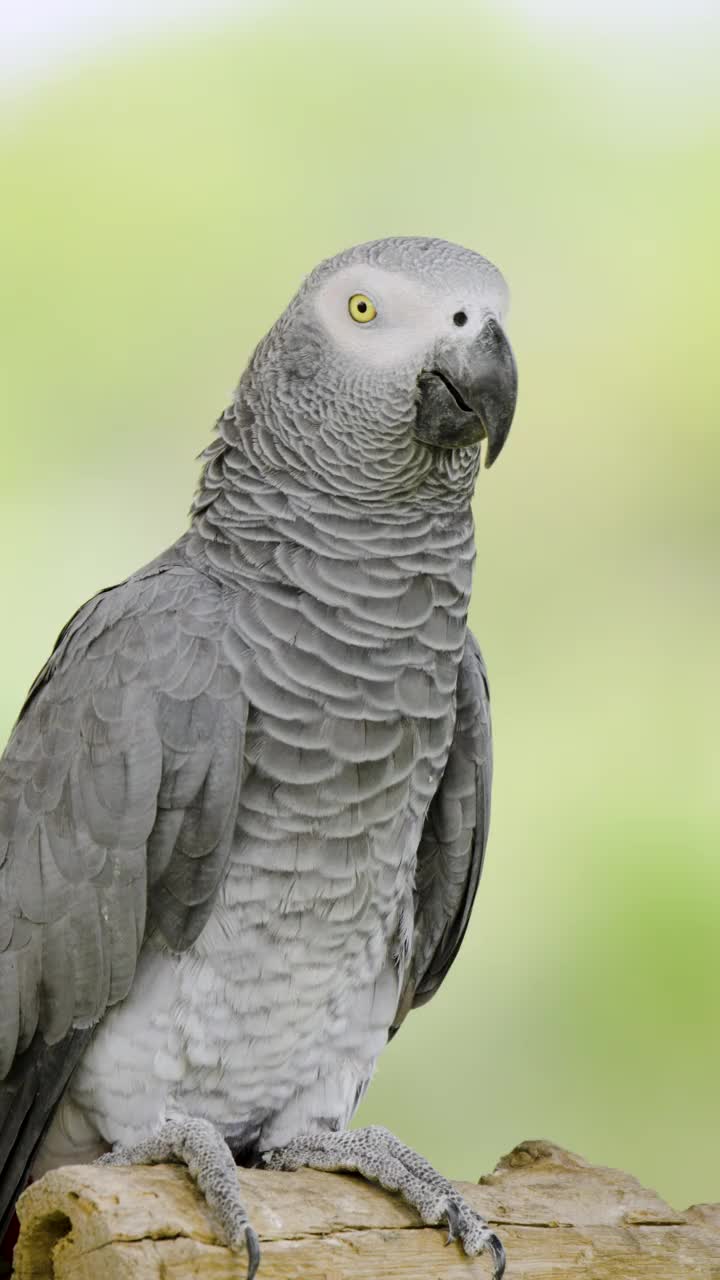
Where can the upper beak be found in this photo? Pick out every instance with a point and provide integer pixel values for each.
(469, 393)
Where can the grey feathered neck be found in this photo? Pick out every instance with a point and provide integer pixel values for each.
(252, 454)
(253, 507)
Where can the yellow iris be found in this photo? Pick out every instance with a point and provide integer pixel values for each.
(361, 308)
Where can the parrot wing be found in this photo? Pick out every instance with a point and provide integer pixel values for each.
(452, 847)
(118, 795)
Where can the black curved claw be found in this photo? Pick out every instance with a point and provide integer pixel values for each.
(453, 1219)
(252, 1245)
(495, 1247)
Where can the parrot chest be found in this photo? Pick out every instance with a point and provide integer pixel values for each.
(345, 747)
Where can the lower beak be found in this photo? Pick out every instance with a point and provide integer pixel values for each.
(469, 394)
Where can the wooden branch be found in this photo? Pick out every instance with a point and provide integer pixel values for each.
(558, 1217)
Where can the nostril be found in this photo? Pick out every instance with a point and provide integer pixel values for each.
(460, 318)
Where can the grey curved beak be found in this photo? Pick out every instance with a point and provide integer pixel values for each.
(469, 394)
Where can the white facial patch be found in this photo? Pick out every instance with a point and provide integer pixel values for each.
(412, 315)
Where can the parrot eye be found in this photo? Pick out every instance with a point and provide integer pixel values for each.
(361, 308)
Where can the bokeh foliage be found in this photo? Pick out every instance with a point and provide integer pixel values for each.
(158, 208)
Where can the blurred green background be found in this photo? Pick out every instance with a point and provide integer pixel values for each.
(159, 206)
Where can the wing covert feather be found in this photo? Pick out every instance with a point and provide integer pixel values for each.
(452, 848)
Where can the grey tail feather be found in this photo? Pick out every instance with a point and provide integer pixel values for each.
(28, 1098)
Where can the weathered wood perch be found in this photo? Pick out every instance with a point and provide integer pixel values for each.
(558, 1217)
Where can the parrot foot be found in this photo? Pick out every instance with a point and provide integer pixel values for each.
(198, 1145)
(378, 1155)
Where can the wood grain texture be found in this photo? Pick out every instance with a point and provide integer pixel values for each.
(558, 1217)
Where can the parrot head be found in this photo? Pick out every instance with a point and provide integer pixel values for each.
(391, 356)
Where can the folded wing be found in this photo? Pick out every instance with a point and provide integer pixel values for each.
(452, 848)
(118, 795)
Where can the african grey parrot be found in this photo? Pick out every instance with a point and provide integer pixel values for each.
(244, 809)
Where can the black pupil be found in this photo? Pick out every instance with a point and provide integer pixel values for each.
(362, 307)
(460, 319)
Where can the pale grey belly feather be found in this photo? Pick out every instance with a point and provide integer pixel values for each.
(277, 1014)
